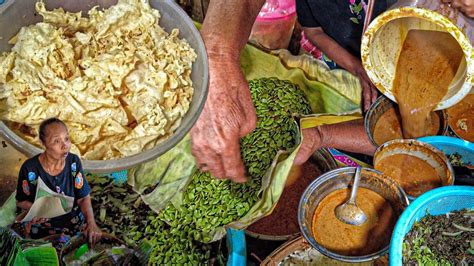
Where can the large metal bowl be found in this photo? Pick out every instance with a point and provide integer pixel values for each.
(382, 105)
(15, 14)
(424, 151)
(340, 179)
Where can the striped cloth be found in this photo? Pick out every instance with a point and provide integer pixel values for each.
(309, 48)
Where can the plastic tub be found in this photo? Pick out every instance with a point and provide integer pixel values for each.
(383, 104)
(15, 14)
(383, 39)
(450, 145)
(437, 201)
(339, 179)
(274, 24)
(237, 247)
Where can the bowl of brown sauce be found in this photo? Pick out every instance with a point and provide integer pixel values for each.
(381, 199)
(418, 167)
(461, 118)
(383, 122)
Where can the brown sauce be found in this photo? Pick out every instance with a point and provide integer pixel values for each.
(461, 118)
(389, 126)
(415, 175)
(283, 221)
(426, 66)
(352, 240)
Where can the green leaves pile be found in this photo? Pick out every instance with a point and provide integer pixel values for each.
(208, 203)
(441, 240)
(119, 211)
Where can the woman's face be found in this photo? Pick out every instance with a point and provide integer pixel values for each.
(56, 141)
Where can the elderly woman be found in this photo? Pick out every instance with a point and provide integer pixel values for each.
(55, 176)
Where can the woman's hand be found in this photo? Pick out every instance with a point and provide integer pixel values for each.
(369, 91)
(93, 233)
(312, 140)
(348, 136)
(24, 205)
(38, 220)
(229, 113)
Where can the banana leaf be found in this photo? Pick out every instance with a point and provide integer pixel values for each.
(41, 256)
(8, 211)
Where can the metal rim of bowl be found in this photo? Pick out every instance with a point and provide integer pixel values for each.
(383, 100)
(285, 249)
(321, 180)
(271, 237)
(430, 147)
(455, 132)
(188, 120)
(452, 129)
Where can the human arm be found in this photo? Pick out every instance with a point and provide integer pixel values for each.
(24, 205)
(229, 113)
(25, 191)
(83, 199)
(346, 60)
(349, 136)
(92, 230)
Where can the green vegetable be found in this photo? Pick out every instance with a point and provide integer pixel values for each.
(441, 240)
(456, 160)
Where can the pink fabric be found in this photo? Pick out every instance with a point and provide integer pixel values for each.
(309, 47)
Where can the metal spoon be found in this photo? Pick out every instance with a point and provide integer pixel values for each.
(348, 212)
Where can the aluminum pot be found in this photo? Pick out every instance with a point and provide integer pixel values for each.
(341, 179)
(382, 105)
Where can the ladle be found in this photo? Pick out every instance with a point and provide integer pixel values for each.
(348, 212)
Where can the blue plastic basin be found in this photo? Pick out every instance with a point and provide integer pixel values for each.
(437, 201)
(450, 145)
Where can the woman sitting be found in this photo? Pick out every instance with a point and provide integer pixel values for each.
(53, 184)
